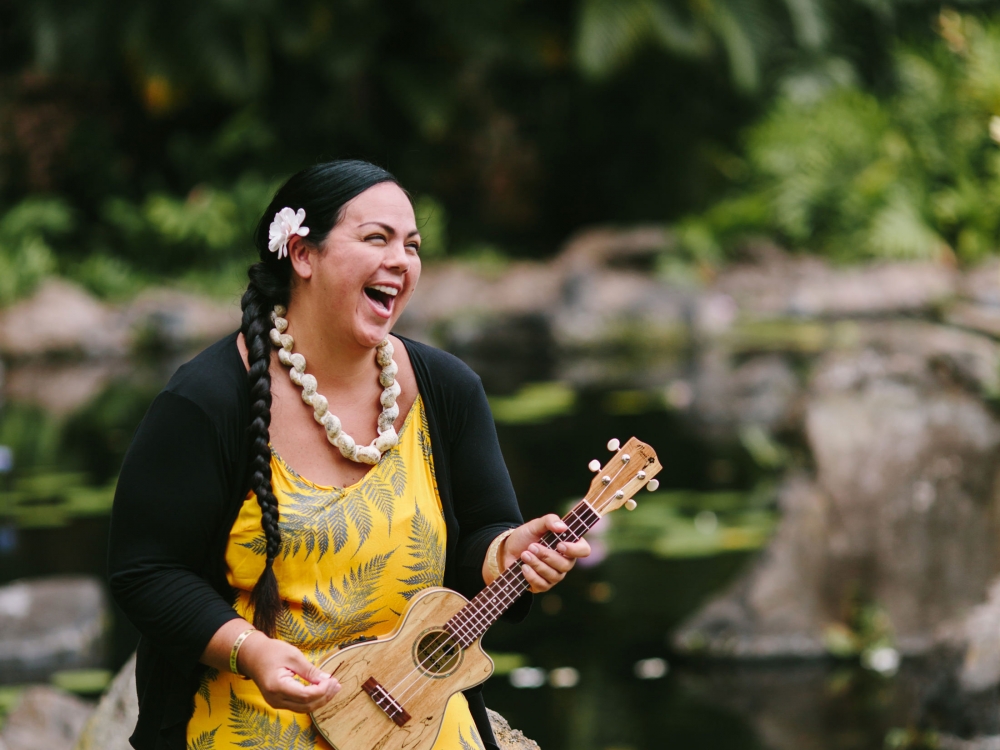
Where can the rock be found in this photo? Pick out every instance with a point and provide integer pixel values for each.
(61, 388)
(808, 287)
(614, 247)
(903, 512)
(110, 726)
(112, 723)
(451, 290)
(951, 742)
(763, 390)
(45, 718)
(776, 610)
(61, 318)
(51, 624)
(173, 320)
(805, 705)
(982, 283)
(977, 317)
(615, 309)
(975, 636)
(507, 738)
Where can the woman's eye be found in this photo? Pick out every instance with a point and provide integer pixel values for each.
(377, 237)
(414, 246)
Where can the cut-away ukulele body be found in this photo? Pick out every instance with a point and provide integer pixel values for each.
(394, 690)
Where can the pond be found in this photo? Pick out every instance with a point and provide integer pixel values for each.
(591, 668)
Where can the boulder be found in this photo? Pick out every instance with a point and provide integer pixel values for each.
(786, 286)
(61, 318)
(45, 718)
(763, 390)
(174, 320)
(508, 738)
(61, 388)
(903, 510)
(51, 624)
(981, 742)
(110, 726)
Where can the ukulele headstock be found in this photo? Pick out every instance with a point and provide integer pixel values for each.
(633, 467)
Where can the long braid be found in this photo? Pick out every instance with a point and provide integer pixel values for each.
(257, 307)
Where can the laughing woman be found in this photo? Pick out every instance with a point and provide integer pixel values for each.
(258, 524)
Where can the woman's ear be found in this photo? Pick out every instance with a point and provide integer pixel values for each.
(301, 254)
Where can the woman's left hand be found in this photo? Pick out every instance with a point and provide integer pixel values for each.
(543, 568)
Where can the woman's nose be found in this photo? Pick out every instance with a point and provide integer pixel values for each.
(396, 257)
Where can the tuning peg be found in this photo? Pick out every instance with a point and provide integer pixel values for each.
(614, 444)
(630, 504)
(640, 476)
(653, 485)
(594, 466)
(626, 458)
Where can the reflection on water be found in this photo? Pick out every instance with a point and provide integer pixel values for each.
(575, 659)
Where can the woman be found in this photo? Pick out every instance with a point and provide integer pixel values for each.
(398, 483)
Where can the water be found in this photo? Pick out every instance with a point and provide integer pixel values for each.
(653, 568)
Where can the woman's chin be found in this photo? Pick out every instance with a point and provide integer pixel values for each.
(371, 335)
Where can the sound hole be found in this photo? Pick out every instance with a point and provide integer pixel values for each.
(437, 653)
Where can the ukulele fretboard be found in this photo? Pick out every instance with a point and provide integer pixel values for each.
(475, 618)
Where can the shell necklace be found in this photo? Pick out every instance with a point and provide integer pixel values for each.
(387, 437)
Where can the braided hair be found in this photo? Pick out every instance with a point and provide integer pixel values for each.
(322, 190)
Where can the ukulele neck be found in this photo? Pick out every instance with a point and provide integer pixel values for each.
(476, 617)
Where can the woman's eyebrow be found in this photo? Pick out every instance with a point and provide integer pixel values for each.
(389, 229)
(386, 227)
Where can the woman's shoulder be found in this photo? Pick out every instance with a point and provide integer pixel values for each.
(438, 366)
(214, 380)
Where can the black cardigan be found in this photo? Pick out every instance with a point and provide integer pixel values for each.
(181, 487)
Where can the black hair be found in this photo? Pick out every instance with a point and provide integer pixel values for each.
(322, 190)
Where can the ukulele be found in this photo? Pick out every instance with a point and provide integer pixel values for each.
(394, 690)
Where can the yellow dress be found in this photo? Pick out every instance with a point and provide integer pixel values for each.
(350, 560)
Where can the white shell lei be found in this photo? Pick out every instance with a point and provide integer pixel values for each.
(387, 437)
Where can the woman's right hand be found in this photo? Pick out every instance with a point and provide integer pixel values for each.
(279, 668)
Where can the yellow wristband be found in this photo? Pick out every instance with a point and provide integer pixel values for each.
(236, 649)
(492, 563)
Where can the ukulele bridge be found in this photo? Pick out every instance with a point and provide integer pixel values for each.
(385, 701)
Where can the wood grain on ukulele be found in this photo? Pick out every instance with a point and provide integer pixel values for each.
(394, 690)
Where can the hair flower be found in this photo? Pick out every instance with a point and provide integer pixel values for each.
(286, 223)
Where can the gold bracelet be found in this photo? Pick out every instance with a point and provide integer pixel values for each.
(236, 649)
(492, 564)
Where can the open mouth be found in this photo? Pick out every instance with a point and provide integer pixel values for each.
(382, 296)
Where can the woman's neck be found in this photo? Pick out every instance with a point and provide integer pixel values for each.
(333, 355)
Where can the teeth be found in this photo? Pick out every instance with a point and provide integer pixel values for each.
(391, 291)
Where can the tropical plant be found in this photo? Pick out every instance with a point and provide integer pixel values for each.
(847, 174)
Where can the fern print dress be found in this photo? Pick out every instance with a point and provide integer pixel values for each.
(351, 559)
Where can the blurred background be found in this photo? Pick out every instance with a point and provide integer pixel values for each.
(761, 235)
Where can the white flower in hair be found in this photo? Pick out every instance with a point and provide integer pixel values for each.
(286, 223)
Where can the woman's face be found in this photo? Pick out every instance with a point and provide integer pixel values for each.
(368, 267)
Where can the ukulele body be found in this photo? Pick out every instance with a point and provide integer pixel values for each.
(416, 696)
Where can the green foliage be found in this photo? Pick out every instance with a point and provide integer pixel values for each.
(846, 174)
(692, 525)
(26, 255)
(751, 34)
(140, 140)
(911, 738)
(432, 221)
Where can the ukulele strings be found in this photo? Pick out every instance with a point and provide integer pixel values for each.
(433, 659)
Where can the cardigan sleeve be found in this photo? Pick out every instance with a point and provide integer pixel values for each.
(486, 504)
(170, 501)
